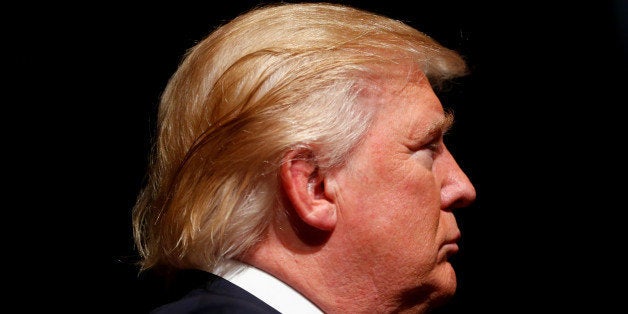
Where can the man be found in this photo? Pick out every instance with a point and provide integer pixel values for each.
(300, 163)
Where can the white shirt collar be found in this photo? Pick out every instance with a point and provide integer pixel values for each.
(265, 287)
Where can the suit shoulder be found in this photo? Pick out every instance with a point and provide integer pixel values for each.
(217, 297)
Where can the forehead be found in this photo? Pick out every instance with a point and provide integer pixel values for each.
(404, 102)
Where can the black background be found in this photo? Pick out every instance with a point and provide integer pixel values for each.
(537, 131)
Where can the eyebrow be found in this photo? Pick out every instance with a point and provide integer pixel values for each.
(435, 129)
(443, 125)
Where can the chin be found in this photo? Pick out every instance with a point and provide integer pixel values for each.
(446, 285)
(437, 290)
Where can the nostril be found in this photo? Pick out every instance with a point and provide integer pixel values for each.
(461, 203)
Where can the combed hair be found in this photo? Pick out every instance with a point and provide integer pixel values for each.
(277, 78)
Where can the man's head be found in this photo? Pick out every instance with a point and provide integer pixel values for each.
(308, 133)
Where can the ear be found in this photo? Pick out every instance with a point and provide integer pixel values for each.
(305, 187)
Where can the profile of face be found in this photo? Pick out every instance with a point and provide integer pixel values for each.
(396, 195)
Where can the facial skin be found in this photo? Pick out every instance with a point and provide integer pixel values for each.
(396, 196)
(374, 236)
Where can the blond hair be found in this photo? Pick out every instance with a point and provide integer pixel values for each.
(275, 78)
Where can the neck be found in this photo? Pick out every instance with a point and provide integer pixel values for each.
(337, 289)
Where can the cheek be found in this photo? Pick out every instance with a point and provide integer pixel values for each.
(396, 210)
(409, 206)
(413, 190)
(387, 182)
(382, 187)
(400, 196)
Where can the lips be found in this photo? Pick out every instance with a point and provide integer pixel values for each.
(451, 245)
(450, 249)
(454, 238)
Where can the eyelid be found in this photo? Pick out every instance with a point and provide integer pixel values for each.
(433, 144)
(434, 138)
(436, 144)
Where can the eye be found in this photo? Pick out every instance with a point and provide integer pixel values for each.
(434, 145)
(426, 153)
(433, 148)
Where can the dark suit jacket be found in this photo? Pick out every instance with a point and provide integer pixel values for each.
(217, 296)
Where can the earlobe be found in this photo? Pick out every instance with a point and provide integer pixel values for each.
(306, 189)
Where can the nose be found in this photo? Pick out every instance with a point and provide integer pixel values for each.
(457, 191)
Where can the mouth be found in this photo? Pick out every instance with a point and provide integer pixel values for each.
(450, 247)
